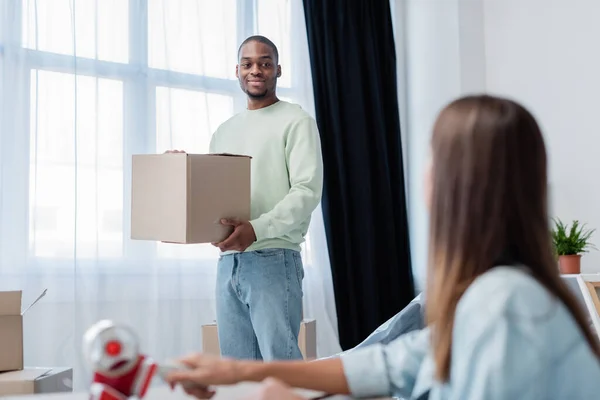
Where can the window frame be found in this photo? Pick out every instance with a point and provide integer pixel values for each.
(139, 89)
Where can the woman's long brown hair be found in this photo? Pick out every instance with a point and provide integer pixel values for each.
(488, 200)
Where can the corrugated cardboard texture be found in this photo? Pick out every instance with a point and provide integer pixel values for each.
(11, 331)
(36, 380)
(307, 339)
(181, 198)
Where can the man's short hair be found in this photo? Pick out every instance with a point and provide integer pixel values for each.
(263, 40)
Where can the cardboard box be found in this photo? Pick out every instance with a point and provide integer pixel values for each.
(210, 339)
(307, 339)
(11, 329)
(36, 380)
(181, 198)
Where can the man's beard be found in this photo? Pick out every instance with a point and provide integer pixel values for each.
(256, 96)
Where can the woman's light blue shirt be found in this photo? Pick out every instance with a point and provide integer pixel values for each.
(511, 340)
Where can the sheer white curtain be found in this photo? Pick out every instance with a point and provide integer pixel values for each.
(85, 84)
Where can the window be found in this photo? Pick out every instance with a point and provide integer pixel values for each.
(186, 119)
(274, 22)
(75, 165)
(107, 79)
(176, 27)
(101, 28)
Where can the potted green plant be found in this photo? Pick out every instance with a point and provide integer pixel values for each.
(570, 244)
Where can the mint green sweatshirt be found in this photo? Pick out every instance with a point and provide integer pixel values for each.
(287, 170)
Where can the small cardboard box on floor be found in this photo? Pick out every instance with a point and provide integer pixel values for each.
(11, 329)
(181, 198)
(307, 339)
(36, 380)
(15, 379)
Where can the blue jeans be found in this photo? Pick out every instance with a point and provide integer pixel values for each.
(259, 304)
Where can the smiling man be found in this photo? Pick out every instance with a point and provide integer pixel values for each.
(260, 271)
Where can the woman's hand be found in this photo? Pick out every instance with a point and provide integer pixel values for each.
(206, 370)
(273, 389)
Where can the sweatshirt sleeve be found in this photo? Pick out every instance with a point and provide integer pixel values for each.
(384, 370)
(305, 168)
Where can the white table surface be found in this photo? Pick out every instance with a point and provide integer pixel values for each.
(236, 392)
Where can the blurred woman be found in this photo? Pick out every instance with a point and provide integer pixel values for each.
(502, 324)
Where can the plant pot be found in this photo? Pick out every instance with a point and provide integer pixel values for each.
(570, 264)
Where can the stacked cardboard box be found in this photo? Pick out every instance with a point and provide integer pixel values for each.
(15, 378)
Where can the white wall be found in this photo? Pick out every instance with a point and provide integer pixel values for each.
(546, 54)
(543, 53)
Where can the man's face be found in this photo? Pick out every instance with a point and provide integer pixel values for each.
(257, 70)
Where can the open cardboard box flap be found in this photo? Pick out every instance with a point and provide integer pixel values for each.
(10, 302)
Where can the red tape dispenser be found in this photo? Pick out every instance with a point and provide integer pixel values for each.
(120, 371)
